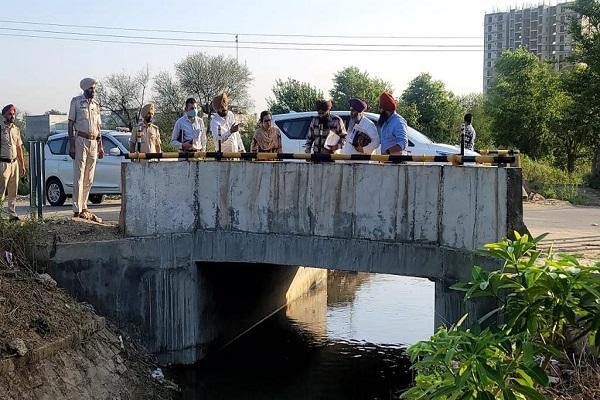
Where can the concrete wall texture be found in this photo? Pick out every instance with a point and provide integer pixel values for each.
(457, 207)
(181, 309)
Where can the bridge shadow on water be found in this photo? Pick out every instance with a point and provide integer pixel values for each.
(345, 341)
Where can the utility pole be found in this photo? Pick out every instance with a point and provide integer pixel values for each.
(237, 50)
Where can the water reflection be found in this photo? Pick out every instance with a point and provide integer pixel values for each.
(343, 343)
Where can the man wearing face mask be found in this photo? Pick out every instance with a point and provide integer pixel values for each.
(326, 132)
(85, 146)
(145, 137)
(392, 127)
(362, 132)
(188, 132)
(12, 162)
(225, 123)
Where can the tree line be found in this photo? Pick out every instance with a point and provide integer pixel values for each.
(547, 114)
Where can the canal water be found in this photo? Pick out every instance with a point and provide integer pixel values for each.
(346, 342)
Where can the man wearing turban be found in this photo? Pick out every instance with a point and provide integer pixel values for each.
(85, 146)
(224, 126)
(12, 162)
(393, 127)
(362, 132)
(145, 137)
(326, 132)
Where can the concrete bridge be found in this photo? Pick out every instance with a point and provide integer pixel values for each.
(214, 247)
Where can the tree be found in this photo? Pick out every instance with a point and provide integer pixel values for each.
(577, 118)
(524, 102)
(54, 112)
(352, 82)
(439, 110)
(586, 44)
(205, 77)
(409, 112)
(123, 96)
(293, 95)
(169, 100)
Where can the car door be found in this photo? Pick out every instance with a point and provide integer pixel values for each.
(54, 154)
(63, 163)
(107, 178)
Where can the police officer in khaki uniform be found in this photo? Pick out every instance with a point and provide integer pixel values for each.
(11, 153)
(85, 146)
(146, 134)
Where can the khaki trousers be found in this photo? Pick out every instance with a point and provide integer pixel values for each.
(9, 182)
(84, 166)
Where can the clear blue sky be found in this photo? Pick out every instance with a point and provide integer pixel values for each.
(39, 74)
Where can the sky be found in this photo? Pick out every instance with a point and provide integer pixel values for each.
(41, 74)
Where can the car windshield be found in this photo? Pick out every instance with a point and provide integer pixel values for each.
(123, 139)
(418, 136)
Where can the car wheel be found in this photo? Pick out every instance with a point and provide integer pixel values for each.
(96, 198)
(55, 194)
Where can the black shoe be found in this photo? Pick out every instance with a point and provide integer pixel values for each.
(14, 218)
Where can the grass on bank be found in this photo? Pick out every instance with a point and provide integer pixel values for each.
(551, 182)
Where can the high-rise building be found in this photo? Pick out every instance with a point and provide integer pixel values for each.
(543, 30)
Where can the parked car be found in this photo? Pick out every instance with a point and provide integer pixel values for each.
(294, 127)
(59, 167)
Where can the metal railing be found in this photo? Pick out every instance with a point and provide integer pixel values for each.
(498, 159)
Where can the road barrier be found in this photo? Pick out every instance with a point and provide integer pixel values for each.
(499, 159)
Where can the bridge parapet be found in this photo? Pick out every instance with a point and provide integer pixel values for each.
(460, 207)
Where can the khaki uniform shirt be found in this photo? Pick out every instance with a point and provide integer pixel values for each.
(150, 138)
(86, 115)
(10, 139)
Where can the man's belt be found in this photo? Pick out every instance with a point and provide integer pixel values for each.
(87, 136)
(7, 160)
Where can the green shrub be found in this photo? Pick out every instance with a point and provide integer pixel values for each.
(548, 304)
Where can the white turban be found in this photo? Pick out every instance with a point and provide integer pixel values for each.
(87, 83)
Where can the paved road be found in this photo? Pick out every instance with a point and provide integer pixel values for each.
(570, 228)
(109, 210)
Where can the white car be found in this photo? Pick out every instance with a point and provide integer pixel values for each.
(294, 127)
(59, 167)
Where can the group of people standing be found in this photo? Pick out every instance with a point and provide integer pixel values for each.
(326, 134)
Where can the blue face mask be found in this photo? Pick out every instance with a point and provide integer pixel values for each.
(192, 113)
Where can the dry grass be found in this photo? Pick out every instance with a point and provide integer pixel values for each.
(581, 383)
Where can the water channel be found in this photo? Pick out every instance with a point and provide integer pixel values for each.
(346, 342)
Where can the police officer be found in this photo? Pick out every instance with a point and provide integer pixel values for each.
(11, 153)
(85, 146)
(146, 134)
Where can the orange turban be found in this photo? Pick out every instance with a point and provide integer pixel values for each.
(387, 102)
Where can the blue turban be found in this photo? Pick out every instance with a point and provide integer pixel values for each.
(358, 104)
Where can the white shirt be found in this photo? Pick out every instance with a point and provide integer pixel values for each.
(193, 132)
(365, 125)
(230, 142)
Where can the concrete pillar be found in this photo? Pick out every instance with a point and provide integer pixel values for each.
(450, 306)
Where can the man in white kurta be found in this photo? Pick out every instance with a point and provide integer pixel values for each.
(223, 123)
(363, 137)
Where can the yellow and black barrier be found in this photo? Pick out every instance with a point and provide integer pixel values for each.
(500, 152)
(453, 158)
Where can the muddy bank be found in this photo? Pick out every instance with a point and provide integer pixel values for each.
(53, 347)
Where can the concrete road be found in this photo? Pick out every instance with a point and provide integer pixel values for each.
(109, 210)
(570, 228)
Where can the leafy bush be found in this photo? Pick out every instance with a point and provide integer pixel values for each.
(548, 305)
(552, 182)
